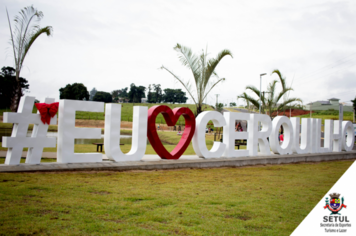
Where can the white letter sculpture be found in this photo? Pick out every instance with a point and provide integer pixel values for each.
(336, 136)
(319, 148)
(348, 136)
(18, 139)
(305, 139)
(230, 135)
(328, 134)
(259, 137)
(313, 127)
(67, 131)
(112, 133)
(286, 146)
(198, 140)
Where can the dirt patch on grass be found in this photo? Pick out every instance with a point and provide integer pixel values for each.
(115, 221)
(124, 124)
(240, 216)
(101, 192)
(5, 180)
(42, 212)
(99, 123)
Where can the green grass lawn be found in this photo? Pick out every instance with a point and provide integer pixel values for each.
(127, 112)
(52, 128)
(329, 115)
(169, 139)
(34, 110)
(267, 200)
(89, 148)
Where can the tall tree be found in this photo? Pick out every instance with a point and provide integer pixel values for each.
(132, 95)
(25, 33)
(180, 96)
(136, 93)
(141, 92)
(115, 95)
(174, 96)
(123, 92)
(271, 100)
(76, 91)
(101, 96)
(204, 76)
(8, 86)
(92, 93)
(150, 95)
(169, 95)
(119, 95)
(158, 93)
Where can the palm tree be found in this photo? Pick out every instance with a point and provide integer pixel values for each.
(25, 33)
(271, 101)
(203, 72)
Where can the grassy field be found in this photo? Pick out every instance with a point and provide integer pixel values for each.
(329, 115)
(169, 139)
(87, 148)
(267, 200)
(127, 112)
(54, 128)
(34, 110)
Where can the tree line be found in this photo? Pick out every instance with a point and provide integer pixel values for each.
(134, 94)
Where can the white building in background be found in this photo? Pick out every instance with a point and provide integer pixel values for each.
(331, 104)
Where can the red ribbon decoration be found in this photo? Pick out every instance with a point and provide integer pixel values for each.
(341, 206)
(47, 111)
(171, 118)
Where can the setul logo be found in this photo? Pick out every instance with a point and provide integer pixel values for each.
(299, 137)
(334, 206)
(335, 222)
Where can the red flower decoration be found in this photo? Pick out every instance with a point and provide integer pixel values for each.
(47, 111)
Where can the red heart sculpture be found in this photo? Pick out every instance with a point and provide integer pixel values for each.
(47, 111)
(171, 118)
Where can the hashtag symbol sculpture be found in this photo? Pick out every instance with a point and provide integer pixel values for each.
(18, 139)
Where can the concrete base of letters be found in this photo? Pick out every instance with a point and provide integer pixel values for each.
(153, 162)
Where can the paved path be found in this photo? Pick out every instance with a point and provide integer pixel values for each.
(24, 154)
(153, 162)
(146, 158)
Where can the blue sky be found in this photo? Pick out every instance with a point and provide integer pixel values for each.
(111, 44)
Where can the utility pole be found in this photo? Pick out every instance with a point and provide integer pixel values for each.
(217, 95)
(261, 89)
(263, 96)
(341, 112)
(311, 109)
